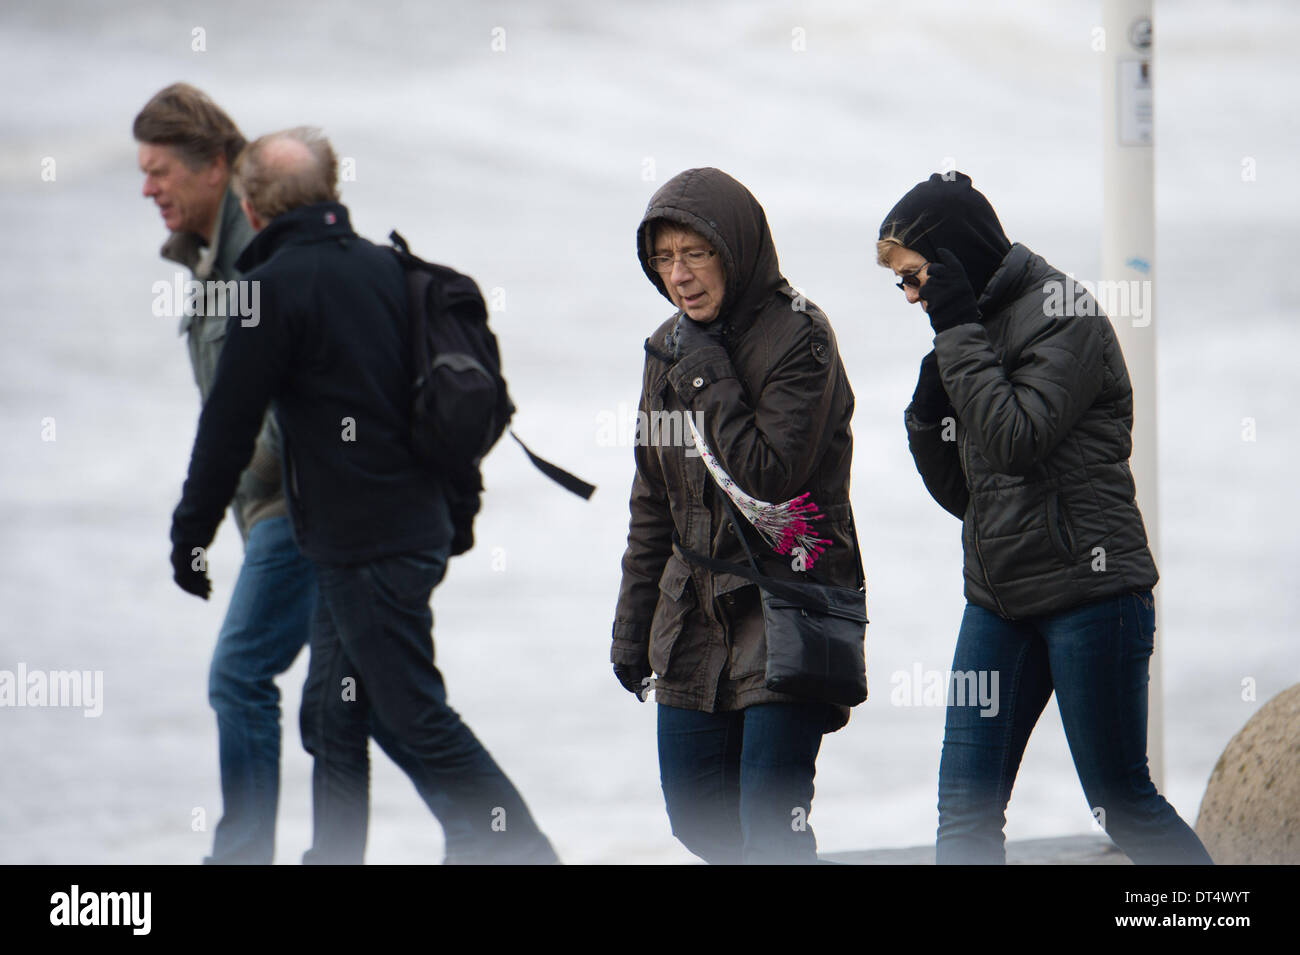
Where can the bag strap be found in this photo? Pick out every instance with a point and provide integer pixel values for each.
(810, 595)
(805, 595)
(570, 482)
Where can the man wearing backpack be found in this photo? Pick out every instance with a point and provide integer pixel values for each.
(329, 352)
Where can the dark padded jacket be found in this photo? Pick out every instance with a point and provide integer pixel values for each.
(1036, 465)
(774, 404)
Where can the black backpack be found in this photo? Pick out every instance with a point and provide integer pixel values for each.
(460, 405)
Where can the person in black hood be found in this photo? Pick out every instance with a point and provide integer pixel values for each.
(1020, 426)
(753, 366)
(943, 213)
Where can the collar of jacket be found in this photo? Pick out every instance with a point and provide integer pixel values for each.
(318, 222)
(1006, 281)
(215, 260)
(193, 251)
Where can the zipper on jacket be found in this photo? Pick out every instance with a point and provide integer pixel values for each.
(975, 529)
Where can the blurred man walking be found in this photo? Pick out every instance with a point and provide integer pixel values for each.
(330, 350)
(187, 146)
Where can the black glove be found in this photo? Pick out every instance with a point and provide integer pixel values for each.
(947, 293)
(693, 335)
(183, 571)
(930, 401)
(633, 677)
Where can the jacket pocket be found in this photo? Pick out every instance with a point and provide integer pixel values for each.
(748, 640)
(676, 600)
(1059, 528)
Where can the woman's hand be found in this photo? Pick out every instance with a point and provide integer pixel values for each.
(947, 293)
(930, 402)
(693, 335)
(635, 678)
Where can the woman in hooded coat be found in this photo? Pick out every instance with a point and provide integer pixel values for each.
(753, 367)
(1021, 427)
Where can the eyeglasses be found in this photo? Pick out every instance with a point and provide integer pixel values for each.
(692, 259)
(911, 280)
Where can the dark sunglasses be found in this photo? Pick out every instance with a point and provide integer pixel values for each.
(911, 280)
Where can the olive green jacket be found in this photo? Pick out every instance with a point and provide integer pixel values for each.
(259, 493)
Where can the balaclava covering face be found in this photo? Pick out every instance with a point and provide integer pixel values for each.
(950, 214)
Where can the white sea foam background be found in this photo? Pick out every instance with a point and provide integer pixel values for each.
(527, 167)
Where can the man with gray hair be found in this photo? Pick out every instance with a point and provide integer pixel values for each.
(330, 354)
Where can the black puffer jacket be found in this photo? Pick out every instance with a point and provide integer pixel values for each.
(1037, 463)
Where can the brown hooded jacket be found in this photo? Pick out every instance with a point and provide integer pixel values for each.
(773, 403)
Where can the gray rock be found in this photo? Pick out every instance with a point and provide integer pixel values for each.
(1251, 810)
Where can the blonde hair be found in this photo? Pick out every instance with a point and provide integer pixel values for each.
(273, 181)
(885, 249)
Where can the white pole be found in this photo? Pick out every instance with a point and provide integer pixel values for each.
(1128, 256)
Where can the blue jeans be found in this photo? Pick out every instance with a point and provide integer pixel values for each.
(1095, 657)
(739, 785)
(372, 658)
(266, 625)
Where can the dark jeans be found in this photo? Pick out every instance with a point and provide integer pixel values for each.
(266, 624)
(1095, 657)
(739, 785)
(372, 657)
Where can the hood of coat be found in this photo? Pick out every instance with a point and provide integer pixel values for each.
(947, 212)
(727, 215)
(1010, 280)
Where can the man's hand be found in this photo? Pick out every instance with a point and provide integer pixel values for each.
(930, 402)
(635, 677)
(947, 293)
(189, 570)
(693, 335)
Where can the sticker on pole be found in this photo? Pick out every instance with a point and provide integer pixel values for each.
(1139, 34)
(1136, 104)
